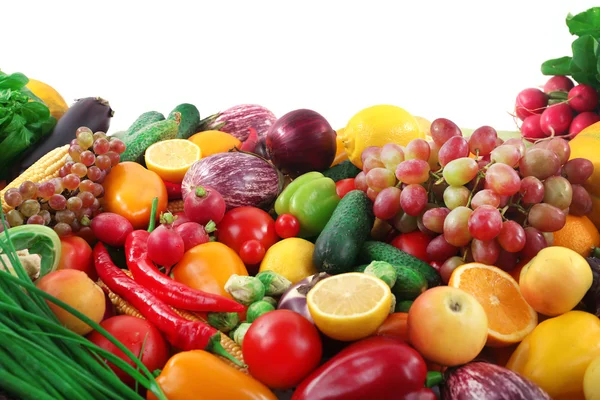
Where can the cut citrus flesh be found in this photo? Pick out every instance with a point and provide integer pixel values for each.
(349, 306)
(171, 159)
(510, 317)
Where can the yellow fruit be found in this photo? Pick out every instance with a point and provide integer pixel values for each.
(291, 258)
(377, 126)
(171, 159)
(587, 145)
(340, 151)
(213, 142)
(49, 96)
(425, 126)
(349, 306)
(591, 380)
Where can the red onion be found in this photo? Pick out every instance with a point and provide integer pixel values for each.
(301, 141)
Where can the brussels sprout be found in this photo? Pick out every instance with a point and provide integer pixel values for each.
(275, 284)
(257, 309)
(245, 289)
(384, 271)
(223, 321)
(270, 300)
(240, 332)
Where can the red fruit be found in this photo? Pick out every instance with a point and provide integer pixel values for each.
(192, 234)
(558, 83)
(180, 218)
(556, 119)
(165, 246)
(582, 121)
(583, 98)
(414, 243)
(252, 252)
(530, 101)
(531, 128)
(204, 204)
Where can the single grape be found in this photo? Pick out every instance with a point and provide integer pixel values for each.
(86, 186)
(103, 162)
(28, 190)
(518, 143)
(413, 199)
(549, 237)
(485, 197)
(71, 182)
(57, 202)
(100, 135)
(546, 217)
(75, 225)
(581, 204)
(62, 172)
(456, 226)
(433, 160)
(103, 176)
(74, 203)
(506, 154)
(417, 149)
(82, 129)
(558, 192)
(29, 207)
(360, 181)
(387, 203)
(558, 146)
(14, 218)
(540, 163)
(503, 180)
(46, 190)
(485, 223)
(98, 190)
(534, 242)
(433, 219)
(391, 155)
(404, 223)
(85, 140)
(13, 197)
(79, 169)
(438, 190)
(117, 146)
(578, 170)
(456, 196)
(87, 199)
(75, 152)
(507, 261)
(87, 158)
(483, 140)
(456, 147)
(483, 162)
(413, 171)
(372, 194)
(371, 163)
(114, 158)
(62, 229)
(440, 250)
(58, 185)
(380, 178)
(35, 220)
(531, 190)
(442, 129)
(84, 212)
(101, 146)
(65, 216)
(485, 251)
(512, 237)
(460, 171)
(371, 151)
(449, 266)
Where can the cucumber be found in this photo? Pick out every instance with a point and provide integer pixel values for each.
(190, 120)
(343, 170)
(403, 306)
(337, 246)
(380, 251)
(409, 283)
(143, 120)
(148, 135)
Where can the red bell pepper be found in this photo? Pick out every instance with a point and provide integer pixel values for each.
(173, 190)
(378, 367)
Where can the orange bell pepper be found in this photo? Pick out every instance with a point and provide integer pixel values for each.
(395, 325)
(129, 189)
(197, 374)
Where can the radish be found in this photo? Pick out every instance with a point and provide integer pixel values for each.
(556, 119)
(530, 101)
(558, 83)
(165, 245)
(583, 98)
(180, 218)
(531, 128)
(194, 234)
(582, 121)
(204, 204)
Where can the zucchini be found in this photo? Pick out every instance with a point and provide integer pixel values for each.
(409, 283)
(343, 170)
(380, 251)
(190, 120)
(148, 135)
(337, 247)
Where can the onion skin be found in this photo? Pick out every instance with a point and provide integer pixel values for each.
(243, 179)
(238, 120)
(485, 381)
(301, 141)
(295, 300)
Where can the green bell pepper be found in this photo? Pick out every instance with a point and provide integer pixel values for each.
(311, 198)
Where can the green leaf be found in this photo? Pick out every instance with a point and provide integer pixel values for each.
(37, 110)
(557, 66)
(585, 23)
(585, 61)
(13, 81)
(14, 145)
(25, 90)
(15, 125)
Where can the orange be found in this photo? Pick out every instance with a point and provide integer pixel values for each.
(171, 159)
(213, 142)
(578, 234)
(340, 151)
(510, 318)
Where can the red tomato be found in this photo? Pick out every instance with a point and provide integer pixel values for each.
(281, 348)
(414, 243)
(76, 253)
(133, 332)
(344, 186)
(252, 252)
(246, 223)
(286, 226)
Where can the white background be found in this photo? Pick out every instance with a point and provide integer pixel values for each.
(461, 60)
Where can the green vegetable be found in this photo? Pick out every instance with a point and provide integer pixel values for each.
(142, 121)
(403, 306)
(270, 300)
(274, 283)
(337, 247)
(238, 334)
(257, 309)
(409, 283)
(382, 270)
(148, 135)
(584, 64)
(311, 198)
(343, 170)
(245, 289)
(223, 321)
(393, 304)
(23, 123)
(190, 120)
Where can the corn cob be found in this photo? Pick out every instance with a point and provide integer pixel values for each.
(175, 206)
(43, 170)
(123, 307)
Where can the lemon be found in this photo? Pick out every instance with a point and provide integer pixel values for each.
(171, 159)
(376, 126)
(349, 306)
(291, 258)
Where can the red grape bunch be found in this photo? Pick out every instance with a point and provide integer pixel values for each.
(68, 202)
(480, 198)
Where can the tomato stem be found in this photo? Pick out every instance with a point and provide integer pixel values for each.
(152, 222)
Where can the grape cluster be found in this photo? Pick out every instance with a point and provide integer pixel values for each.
(68, 202)
(489, 200)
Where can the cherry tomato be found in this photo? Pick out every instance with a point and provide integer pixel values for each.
(252, 252)
(414, 243)
(246, 223)
(133, 333)
(344, 186)
(287, 225)
(76, 253)
(281, 348)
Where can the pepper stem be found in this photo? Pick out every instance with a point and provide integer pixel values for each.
(214, 346)
(200, 191)
(433, 378)
(210, 226)
(152, 222)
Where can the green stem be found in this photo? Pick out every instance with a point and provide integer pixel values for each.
(200, 191)
(479, 176)
(215, 346)
(152, 222)
(433, 378)
(22, 389)
(210, 227)
(596, 252)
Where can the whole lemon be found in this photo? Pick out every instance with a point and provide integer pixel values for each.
(376, 126)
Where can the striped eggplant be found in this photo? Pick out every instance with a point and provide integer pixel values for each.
(485, 381)
(243, 179)
(237, 120)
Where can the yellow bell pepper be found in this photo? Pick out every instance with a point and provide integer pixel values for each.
(557, 353)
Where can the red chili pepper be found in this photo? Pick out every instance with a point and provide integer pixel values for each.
(180, 332)
(250, 143)
(173, 293)
(173, 190)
